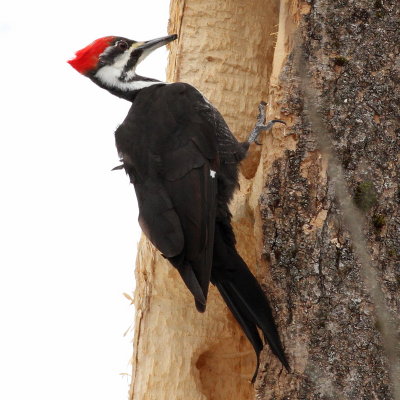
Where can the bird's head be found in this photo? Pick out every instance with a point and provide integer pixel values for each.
(111, 61)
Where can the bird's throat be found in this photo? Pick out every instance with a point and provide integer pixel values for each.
(109, 78)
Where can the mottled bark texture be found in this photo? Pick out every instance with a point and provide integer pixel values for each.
(351, 50)
(288, 221)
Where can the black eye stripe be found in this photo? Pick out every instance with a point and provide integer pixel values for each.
(133, 60)
(109, 55)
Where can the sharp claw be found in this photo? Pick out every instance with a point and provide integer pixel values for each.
(260, 126)
(274, 121)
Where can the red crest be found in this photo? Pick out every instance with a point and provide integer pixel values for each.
(86, 59)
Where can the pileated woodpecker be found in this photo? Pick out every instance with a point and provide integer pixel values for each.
(183, 162)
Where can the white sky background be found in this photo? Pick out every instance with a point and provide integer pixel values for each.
(68, 224)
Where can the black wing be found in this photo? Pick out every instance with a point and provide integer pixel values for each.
(168, 146)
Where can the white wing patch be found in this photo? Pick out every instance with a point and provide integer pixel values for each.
(212, 173)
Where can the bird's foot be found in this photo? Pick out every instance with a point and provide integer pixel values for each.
(260, 124)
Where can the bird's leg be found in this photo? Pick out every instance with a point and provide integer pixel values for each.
(260, 124)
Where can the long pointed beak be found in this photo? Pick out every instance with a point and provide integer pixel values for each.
(140, 50)
(151, 45)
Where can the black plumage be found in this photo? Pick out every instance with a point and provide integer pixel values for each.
(183, 160)
(170, 142)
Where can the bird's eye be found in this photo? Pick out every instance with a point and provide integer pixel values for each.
(121, 44)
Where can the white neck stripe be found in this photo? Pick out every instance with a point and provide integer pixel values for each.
(108, 75)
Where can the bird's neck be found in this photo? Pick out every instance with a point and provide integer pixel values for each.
(125, 89)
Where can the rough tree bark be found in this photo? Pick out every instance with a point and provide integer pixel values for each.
(289, 225)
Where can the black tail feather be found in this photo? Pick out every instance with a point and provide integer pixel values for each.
(245, 298)
(249, 328)
(260, 314)
(190, 279)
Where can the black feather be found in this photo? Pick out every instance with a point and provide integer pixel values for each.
(183, 161)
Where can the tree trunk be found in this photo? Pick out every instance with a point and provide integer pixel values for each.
(290, 213)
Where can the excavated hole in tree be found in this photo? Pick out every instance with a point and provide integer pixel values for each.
(223, 370)
(226, 367)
